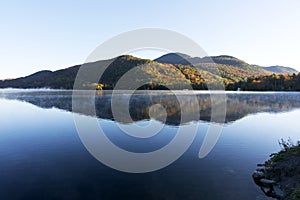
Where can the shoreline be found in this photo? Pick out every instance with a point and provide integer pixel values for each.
(162, 91)
(279, 177)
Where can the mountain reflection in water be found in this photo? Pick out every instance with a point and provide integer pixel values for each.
(239, 104)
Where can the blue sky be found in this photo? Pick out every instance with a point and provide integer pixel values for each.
(53, 34)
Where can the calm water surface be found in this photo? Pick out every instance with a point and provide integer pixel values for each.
(42, 157)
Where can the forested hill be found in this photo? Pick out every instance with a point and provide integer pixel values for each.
(229, 61)
(44, 79)
(172, 70)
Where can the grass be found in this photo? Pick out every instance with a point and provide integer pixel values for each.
(288, 149)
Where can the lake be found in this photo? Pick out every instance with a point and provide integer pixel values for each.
(43, 156)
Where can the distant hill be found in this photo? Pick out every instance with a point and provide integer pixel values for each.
(281, 69)
(173, 70)
(44, 79)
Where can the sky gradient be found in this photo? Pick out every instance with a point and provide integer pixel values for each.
(52, 34)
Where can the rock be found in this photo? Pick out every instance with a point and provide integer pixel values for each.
(268, 168)
(266, 190)
(257, 176)
(267, 181)
(259, 173)
(278, 191)
(261, 165)
(280, 177)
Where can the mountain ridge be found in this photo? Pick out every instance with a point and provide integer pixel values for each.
(221, 59)
(174, 70)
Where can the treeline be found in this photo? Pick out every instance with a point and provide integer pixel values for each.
(274, 82)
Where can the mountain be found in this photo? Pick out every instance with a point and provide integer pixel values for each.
(173, 70)
(281, 69)
(174, 58)
(178, 58)
(157, 73)
(231, 69)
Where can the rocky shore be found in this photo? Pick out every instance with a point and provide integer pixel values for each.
(279, 177)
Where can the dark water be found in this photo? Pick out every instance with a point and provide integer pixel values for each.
(42, 156)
